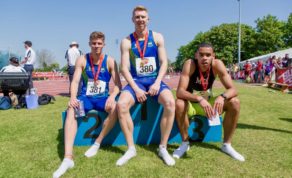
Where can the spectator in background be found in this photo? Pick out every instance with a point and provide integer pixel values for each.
(253, 71)
(278, 63)
(29, 60)
(273, 63)
(259, 72)
(236, 71)
(285, 60)
(72, 54)
(247, 70)
(14, 66)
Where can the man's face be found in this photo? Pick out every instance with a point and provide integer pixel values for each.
(96, 45)
(140, 19)
(204, 56)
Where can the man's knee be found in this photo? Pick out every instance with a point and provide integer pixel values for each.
(169, 104)
(123, 106)
(180, 105)
(234, 104)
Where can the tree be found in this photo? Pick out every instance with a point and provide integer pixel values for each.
(44, 58)
(288, 31)
(269, 35)
(224, 39)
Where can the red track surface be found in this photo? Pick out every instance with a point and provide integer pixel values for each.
(61, 87)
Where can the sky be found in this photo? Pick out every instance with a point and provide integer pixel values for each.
(53, 24)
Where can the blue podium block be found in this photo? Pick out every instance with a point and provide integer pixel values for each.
(146, 118)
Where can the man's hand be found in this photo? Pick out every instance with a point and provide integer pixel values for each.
(73, 103)
(141, 95)
(218, 104)
(207, 108)
(154, 89)
(110, 102)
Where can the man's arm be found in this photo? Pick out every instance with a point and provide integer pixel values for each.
(225, 78)
(162, 56)
(113, 69)
(80, 63)
(182, 92)
(125, 64)
(67, 57)
(154, 88)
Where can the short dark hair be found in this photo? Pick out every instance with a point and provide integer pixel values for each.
(205, 45)
(14, 60)
(28, 43)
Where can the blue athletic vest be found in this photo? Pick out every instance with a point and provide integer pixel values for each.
(151, 51)
(104, 75)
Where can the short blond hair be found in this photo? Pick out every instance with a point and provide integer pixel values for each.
(96, 35)
(139, 8)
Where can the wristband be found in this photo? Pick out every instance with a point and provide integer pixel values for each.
(224, 96)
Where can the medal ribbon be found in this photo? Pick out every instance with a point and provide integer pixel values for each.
(202, 79)
(142, 53)
(96, 74)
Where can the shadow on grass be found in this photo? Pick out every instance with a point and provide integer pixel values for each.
(64, 94)
(60, 146)
(114, 149)
(205, 145)
(246, 126)
(286, 119)
(171, 148)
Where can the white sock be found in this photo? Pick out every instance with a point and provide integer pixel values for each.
(130, 153)
(181, 150)
(92, 150)
(228, 149)
(163, 153)
(65, 165)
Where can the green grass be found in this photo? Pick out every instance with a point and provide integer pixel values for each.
(31, 145)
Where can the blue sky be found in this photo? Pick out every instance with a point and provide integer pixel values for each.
(53, 24)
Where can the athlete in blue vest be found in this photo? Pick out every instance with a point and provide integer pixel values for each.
(194, 92)
(96, 70)
(143, 52)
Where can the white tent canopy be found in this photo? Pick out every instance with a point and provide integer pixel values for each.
(267, 56)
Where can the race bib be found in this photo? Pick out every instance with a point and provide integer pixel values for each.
(93, 89)
(146, 66)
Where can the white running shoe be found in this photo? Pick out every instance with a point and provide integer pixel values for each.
(228, 149)
(163, 153)
(184, 147)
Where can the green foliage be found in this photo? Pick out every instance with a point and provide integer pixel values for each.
(64, 69)
(269, 36)
(49, 68)
(224, 38)
(288, 31)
